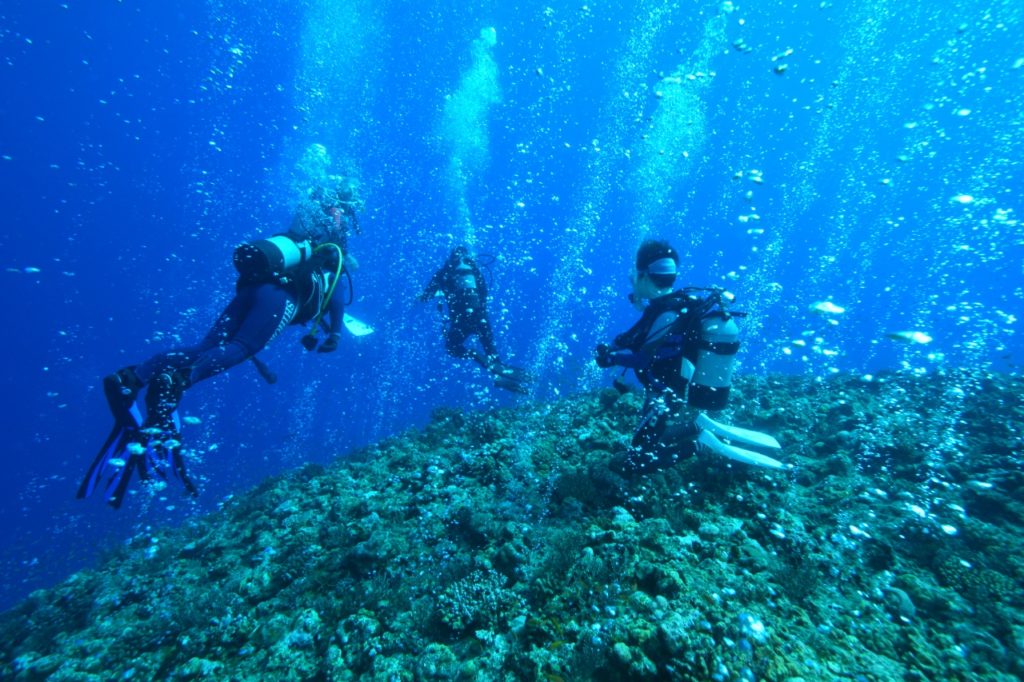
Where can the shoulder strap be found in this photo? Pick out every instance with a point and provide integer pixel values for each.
(634, 337)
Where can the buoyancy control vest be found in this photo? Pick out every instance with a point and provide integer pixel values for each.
(695, 355)
(307, 267)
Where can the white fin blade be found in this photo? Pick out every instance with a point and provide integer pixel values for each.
(736, 454)
(356, 327)
(745, 436)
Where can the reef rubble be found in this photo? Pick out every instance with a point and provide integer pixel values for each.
(499, 546)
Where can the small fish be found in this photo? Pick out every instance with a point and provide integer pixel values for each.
(32, 271)
(910, 337)
(192, 421)
(827, 308)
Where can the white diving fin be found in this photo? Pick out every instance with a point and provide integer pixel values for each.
(356, 327)
(711, 442)
(736, 434)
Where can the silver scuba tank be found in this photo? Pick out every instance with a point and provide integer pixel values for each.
(710, 374)
(267, 258)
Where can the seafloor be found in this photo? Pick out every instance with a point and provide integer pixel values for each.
(497, 546)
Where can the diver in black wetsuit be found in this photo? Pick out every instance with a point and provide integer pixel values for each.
(681, 350)
(465, 291)
(290, 279)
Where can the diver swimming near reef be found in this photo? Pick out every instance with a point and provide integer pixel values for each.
(289, 279)
(463, 287)
(682, 350)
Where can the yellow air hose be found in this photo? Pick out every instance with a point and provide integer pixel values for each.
(330, 289)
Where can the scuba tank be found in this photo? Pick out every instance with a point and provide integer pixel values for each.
(708, 362)
(710, 373)
(268, 258)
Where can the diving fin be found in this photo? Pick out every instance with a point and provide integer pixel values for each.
(110, 462)
(711, 442)
(736, 434)
(510, 384)
(356, 327)
(163, 455)
(501, 370)
(131, 448)
(510, 378)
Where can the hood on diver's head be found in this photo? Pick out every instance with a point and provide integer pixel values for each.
(659, 261)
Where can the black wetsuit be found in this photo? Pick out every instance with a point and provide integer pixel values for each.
(263, 305)
(465, 292)
(261, 309)
(655, 348)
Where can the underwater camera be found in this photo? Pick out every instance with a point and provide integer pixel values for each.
(271, 257)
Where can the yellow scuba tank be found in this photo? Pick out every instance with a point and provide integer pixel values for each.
(710, 373)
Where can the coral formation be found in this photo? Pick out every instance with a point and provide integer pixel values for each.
(499, 546)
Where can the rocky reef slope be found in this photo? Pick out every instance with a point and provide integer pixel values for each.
(498, 546)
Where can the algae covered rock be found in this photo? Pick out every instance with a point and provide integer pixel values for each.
(501, 545)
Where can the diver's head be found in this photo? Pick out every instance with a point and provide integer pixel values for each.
(460, 254)
(339, 192)
(657, 264)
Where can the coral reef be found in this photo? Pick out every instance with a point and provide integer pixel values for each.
(500, 546)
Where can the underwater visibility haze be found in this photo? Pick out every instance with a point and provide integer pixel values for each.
(849, 172)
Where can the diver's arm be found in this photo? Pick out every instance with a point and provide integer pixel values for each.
(481, 284)
(608, 356)
(432, 287)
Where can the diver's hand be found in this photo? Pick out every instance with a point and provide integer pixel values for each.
(330, 345)
(351, 264)
(308, 341)
(603, 356)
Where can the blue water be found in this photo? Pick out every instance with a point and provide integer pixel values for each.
(859, 153)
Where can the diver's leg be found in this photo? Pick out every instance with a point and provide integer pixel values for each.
(270, 310)
(120, 389)
(659, 441)
(169, 374)
(455, 340)
(469, 326)
(223, 328)
(486, 335)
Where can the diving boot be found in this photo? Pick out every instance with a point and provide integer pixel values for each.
(121, 388)
(162, 398)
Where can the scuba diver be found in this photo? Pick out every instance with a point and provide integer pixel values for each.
(464, 289)
(288, 279)
(682, 351)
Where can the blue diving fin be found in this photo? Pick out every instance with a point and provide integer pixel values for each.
(163, 455)
(130, 448)
(111, 462)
